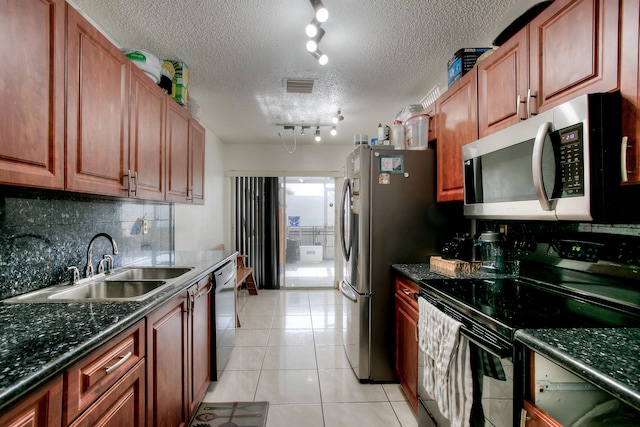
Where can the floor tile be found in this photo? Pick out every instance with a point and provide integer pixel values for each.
(278, 358)
(379, 414)
(291, 337)
(246, 359)
(289, 386)
(252, 337)
(331, 356)
(341, 385)
(292, 322)
(256, 322)
(405, 414)
(234, 386)
(394, 392)
(328, 321)
(327, 336)
(295, 415)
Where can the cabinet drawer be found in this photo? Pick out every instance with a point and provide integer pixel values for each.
(406, 290)
(91, 377)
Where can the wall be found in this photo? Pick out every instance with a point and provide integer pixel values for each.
(202, 227)
(41, 234)
(273, 160)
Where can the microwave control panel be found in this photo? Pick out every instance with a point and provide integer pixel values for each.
(571, 160)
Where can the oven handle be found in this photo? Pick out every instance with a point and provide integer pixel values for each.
(495, 349)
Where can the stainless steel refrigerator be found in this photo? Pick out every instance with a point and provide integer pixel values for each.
(388, 215)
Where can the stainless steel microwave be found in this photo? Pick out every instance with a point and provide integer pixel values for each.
(566, 163)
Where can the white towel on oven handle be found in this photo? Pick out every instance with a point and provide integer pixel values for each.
(447, 365)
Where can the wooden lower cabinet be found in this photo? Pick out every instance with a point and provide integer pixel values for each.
(178, 356)
(41, 408)
(199, 356)
(167, 364)
(407, 338)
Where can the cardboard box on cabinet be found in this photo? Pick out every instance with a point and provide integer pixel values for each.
(178, 72)
(462, 62)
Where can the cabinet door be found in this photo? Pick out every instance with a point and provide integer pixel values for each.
(41, 408)
(407, 349)
(573, 50)
(147, 142)
(503, 80)
(177, 153)
(630, 85)
(199, 342)
(457, 125)
(197, 159)
(97, 110)
(121, 405)
(167, 365)
(32, 118)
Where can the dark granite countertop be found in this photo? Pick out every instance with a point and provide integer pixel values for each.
(606, 357)
(418, 272)
(39, 340)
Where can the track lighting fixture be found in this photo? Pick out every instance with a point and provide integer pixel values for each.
(317, 133)
(312, 44)
(302, 128)
(333, 130)
(312, 29)
(321, 57)
(322, 14)
(337, 118)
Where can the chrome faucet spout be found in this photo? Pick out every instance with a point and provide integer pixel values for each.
(89, 269)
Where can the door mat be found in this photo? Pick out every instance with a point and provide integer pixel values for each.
(231, 414)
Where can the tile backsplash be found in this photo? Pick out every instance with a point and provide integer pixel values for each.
(42, 234)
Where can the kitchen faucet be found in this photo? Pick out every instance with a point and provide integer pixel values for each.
(88, 272)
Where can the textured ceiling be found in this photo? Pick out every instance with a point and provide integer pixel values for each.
(383, 55)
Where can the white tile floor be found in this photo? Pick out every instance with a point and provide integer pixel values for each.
(289, 352)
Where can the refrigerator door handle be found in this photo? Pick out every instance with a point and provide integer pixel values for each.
(346, 189)
(348, 293)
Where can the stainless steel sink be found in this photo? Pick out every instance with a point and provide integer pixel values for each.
(110, 290)
(148, 273)
(124, 285)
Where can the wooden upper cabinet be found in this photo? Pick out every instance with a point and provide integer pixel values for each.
(97, 110)
(32, 38)
(503, 81)
(456, 125)
(147, 141)
(573, 50)
(197, 162)
(177, 128)
(630, 85)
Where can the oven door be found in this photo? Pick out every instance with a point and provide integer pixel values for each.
(493, 381)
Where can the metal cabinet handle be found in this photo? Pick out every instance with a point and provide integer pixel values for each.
(529, 96)
(623, 159)
(127, 182)
(135, 183)
(518, 102)
(405, 291)
(123, 359)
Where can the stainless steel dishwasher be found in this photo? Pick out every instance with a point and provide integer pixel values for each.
(224, 316)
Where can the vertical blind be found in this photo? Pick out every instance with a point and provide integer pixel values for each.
(256, 219)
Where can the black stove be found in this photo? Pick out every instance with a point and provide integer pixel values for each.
(563, 283)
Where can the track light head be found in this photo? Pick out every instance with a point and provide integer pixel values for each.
(321, 57)
(333, 131)
(317, 134)
(337, 118)
(312, 45)
(322, 14)
(312, 28)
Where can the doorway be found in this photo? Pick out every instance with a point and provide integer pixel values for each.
(309, 231)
